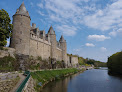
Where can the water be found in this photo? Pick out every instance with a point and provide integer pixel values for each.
(95, 80)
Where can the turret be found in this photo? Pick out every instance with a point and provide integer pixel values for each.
(64, 49)
(21, 31)
(53, 41)
(33, 25)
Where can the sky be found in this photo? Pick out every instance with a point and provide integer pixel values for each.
(92, 28)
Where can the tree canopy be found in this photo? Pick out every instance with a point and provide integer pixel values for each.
(5, 27)
(115, 63)
(88, 61)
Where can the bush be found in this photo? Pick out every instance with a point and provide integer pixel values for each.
(8, 63)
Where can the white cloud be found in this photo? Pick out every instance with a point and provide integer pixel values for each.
(115, 33)
(55, 18)
(89, 45)
(107, 18)
(40, 5)
(103, 49)
(67, 30)
(79, 12)
(76, 50)
(42, 14)
(98, 37)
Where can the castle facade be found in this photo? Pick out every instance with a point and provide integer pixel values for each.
(29, 40)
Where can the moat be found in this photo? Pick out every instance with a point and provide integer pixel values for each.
(95, 80)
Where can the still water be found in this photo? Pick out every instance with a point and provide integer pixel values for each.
(95, 80)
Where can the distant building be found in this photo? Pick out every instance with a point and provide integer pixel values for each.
(31, 41)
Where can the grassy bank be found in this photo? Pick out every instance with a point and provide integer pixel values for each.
(43, 77)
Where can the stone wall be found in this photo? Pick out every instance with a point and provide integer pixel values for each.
(59, 55)
(7, 51)
(72, 61)
(8, 81)
(40, 48)
(43, 49)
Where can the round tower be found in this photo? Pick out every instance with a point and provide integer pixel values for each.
(64, 49)
(53, 41)
(21, 31)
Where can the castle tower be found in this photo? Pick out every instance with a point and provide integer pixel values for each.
(53, 41)
(21, 31)
(64, 49)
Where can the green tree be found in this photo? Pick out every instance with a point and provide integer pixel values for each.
(115, 63)
(5, 27)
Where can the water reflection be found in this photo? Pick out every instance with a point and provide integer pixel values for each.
(59, 85)
(95, 80)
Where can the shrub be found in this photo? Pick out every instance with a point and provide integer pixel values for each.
(8, 63)
(39, 58)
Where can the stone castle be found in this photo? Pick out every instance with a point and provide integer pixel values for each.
(29, 40)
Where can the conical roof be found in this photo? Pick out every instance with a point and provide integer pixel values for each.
(22, 10)
(51, 31)
(62, 39)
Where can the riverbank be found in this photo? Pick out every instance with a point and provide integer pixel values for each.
(43, 77)
(94, 80)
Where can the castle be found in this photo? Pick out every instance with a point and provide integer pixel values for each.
(31, 41)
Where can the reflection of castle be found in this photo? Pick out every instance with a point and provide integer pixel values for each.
(31, 41)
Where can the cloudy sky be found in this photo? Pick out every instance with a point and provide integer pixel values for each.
(92, 28)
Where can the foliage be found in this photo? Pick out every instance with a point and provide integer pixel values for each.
(47, 75)
(95, 63)
(39, 58)
(60, 64)
(88, 62)
(115, 63)
(5, 27)
(72, 55)
(8, 63)
(4, 48)
(81, 61)
(34, 66)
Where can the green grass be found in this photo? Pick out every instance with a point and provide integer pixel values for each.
(47, 75)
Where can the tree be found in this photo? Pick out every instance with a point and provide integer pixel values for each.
(5, 27)
(115, 64)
